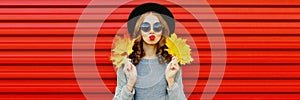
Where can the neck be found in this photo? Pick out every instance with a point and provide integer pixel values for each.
(150, 50)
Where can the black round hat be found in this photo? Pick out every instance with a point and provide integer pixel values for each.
(135, 14)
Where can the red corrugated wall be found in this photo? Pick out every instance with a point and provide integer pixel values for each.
(262, 41)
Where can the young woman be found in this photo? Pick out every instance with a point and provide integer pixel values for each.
(150, 73)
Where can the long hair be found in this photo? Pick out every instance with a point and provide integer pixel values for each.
(138, 51)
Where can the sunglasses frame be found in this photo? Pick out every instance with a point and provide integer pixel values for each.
(152, 26)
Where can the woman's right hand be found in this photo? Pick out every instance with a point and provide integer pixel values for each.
(131, 73)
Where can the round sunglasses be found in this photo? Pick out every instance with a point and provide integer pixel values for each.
(146, 27)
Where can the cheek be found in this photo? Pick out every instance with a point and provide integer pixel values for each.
(144, 35)
(159, 35)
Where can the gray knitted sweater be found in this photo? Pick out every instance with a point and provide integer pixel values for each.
(151, 83)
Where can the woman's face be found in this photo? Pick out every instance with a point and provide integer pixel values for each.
(151, 29)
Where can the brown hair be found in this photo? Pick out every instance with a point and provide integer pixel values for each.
(137, 48)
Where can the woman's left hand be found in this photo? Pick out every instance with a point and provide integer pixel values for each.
(171, 71)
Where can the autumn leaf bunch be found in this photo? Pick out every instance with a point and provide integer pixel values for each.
(122, 49)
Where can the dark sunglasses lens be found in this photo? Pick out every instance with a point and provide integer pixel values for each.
(157, 27)
(145, 27)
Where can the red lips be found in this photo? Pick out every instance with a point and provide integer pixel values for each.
(152, 37)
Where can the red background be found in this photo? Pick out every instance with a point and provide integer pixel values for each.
(262, 39)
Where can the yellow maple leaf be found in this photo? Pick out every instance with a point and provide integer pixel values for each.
(178, 47)
(123, 45)
(122, 48)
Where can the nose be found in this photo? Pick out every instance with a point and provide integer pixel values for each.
(151, 31)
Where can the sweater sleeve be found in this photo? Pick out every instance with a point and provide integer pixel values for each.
(122, 92)
(176, 91)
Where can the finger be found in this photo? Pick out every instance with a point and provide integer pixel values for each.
(128, 67)
(169, 65)
(125, 71)
(172, 68)
(176, 66)
(175, 59)
(175, 62)
(131, 66)
(125, 68)
(126, 60)
(129, 63)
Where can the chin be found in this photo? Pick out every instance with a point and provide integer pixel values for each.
(151, 42)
